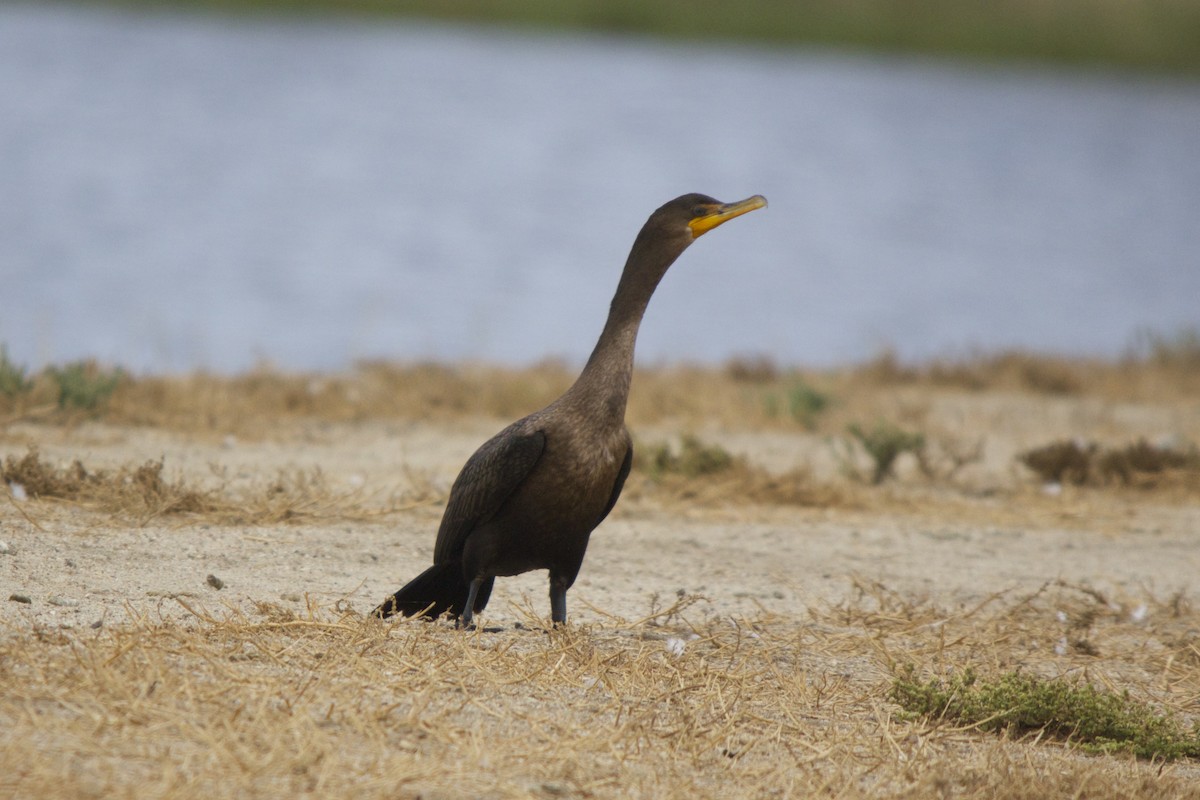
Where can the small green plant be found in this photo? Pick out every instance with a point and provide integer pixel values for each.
(84, 384)
(693, 459)
(806, 403)
(12, 376)
(1096, 720)
(884, 444)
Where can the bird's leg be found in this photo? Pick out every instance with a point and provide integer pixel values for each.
(468, 614)
(558, 601)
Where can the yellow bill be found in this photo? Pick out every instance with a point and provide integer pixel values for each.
(717, 214)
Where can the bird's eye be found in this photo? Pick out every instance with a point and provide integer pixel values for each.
(700, 211)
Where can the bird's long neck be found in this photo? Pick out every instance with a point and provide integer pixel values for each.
(602, 389)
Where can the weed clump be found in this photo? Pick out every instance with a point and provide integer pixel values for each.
(1142, 458)
(1096, 720)
(1068, 461)
(140, 491)
(884, 444)
(40, 479)
(1086, 463)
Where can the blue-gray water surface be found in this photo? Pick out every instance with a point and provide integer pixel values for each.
(182, 192)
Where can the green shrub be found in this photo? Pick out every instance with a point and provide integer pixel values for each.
(12, 376)
(693, 459)
(884, 443)
(806, 403)
(84, 384)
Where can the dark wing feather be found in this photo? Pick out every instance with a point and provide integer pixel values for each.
(487, 479)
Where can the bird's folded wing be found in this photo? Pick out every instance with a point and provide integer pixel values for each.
(487, 480)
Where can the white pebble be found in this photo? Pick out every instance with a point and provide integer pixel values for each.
(1139, 614)
(18, 491)
(675, 646)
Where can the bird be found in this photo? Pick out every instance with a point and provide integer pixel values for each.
(530, 497)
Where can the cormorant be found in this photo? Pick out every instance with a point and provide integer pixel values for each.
(531, 495)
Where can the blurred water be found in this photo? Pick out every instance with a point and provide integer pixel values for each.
(181, 192)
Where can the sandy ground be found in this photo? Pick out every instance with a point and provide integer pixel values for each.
(957, 545)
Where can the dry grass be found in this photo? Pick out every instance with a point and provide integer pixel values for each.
(953, 407)
(744, 393)
(1157, 368)
(697, 474)
(740, 485)
(267, 702)
(140, 494)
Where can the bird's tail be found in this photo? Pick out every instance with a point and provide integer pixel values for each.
(435, 591)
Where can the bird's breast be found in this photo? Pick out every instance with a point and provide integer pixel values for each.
(575, 477)
(547, 521)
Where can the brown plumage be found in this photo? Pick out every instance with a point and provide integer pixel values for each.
(531, 495)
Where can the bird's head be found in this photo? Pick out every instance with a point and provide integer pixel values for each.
(678, 223)
(673, 227)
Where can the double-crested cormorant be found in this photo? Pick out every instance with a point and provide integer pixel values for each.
(530, 497)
